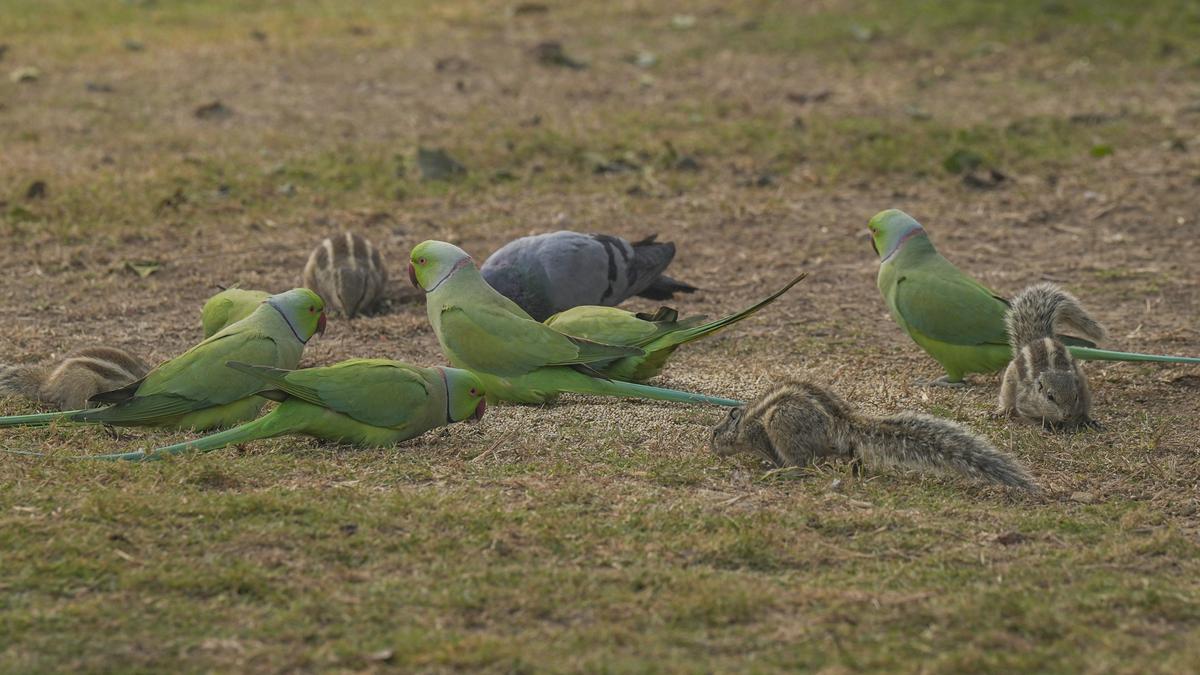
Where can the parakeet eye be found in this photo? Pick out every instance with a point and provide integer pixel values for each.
(312, 309)
(473, 392)
(420, 261)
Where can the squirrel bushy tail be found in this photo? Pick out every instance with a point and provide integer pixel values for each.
(21, 380)
(1037, 309)
(922, 442)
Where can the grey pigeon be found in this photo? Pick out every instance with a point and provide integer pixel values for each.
(548, 273)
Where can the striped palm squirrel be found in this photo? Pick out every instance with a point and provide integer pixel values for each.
(1043, 382)
(347, 272)
(799, 422)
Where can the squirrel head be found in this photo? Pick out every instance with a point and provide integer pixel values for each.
(724, 435)
(1054, 397)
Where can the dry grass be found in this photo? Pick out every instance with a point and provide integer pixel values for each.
(594, 535)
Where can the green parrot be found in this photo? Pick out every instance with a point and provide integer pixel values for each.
(516, 358)
(367, 402)
(954, 318)
(658, 334)
(194, 390)
(229, 306)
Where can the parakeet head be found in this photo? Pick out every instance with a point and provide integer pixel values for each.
(891, 228)
(432, 262)
(464, 395)
(303, 310)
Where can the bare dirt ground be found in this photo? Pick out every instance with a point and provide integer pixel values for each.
(598, 535)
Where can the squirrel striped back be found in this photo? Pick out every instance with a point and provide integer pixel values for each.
(1039, 356)
(79, 376)
(794, 404)
(347, 272)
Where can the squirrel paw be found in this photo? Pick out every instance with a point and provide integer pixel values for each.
(857, 467)
(1080, 425)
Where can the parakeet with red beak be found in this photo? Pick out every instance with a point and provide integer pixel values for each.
(517, 358)
(229, 306)
(957, 320)
(365, 402)
(195, 390)
(658, 334)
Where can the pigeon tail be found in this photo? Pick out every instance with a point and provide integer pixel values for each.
(665, 288)
(650, 259)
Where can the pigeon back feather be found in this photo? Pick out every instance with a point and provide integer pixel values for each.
(553, 272)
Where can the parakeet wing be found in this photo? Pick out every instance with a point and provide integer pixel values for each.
(498, 342)
(613, 326)
(606, 324)
(195, 381)
(378, 392)
(951, 308)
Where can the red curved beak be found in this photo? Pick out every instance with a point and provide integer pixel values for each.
(873, 246)
(412, 275)
(479, 410)
(321, 323)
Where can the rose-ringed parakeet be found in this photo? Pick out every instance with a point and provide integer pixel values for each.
(195, 390)
(365, 402)
(229, 306)
(548, 273)
(658, 334)
(954, 318)
(517, 359)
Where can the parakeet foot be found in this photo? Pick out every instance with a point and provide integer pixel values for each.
(945, 381)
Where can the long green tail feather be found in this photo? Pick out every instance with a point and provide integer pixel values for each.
(24, 453)
(632, 390)
(264, 427)
(1090, 354)
(271, 424)
(590, 351)
(135, 456)
(687, 335)
(266, 373)
(43, 419)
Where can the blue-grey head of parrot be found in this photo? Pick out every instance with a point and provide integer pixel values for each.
(302, 309)
(464, 395)
(432, 262)
(890, 229)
